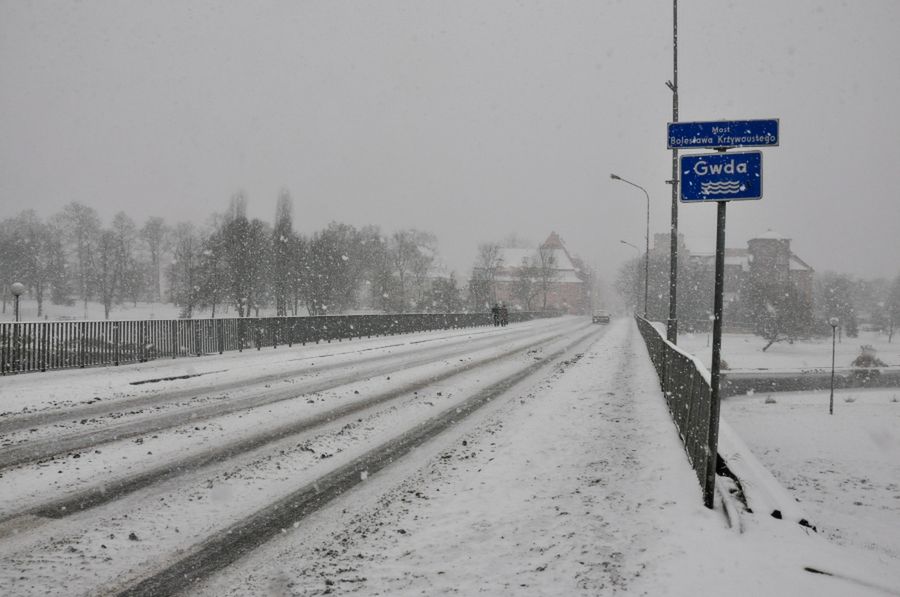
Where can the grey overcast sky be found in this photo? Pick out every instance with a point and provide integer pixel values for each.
(471, 119)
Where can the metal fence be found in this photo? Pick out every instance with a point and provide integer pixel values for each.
(41, 346)
(687, 393)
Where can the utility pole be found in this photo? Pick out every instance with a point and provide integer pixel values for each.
(672, 322)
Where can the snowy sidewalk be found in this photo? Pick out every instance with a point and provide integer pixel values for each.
(579, 487)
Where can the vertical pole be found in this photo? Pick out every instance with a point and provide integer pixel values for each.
(81, 343)
(17, 353)
(831, 398)
(713, 434)
(647, 256)
(672, 323)
(142, 342)
(116, 343)
(45, 342)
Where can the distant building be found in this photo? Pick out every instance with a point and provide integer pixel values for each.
(522, 275)
(768, 258)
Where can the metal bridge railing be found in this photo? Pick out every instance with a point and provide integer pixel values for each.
(45, 345)
(686, 386)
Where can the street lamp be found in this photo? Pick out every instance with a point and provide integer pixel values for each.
(833, 322)
(647, 239)
(18, 289)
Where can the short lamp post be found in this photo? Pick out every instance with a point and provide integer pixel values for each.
(17, 289)
(833, 322)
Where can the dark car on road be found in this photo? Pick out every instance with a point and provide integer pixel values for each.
(601, 317)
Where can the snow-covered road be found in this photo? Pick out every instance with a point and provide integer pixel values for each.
(533, 459)
(104, 486)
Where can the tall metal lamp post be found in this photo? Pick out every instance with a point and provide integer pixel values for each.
(18, 289)
(646, 238)
(833, 322)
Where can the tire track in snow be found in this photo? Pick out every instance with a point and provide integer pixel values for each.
(75, 442)
(246, 535)
(11, 423)
(113, 490)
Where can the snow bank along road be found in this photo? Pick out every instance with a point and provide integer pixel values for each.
(131, 480)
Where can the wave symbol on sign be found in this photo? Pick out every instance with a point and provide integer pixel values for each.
(722, 188)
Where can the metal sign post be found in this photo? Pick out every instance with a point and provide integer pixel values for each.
(713, 434)
(719, 178)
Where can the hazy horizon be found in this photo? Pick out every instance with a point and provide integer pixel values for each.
(470, 120)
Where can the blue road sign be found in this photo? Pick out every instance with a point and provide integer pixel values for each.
(722, 134)
(721, 176)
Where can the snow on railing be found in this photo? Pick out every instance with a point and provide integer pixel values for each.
(685, 382)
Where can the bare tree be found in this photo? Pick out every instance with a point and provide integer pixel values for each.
(245, 248)
(835, 295)
(332, 269)
(384, 288)
(525, 286)
(106, 271)
(482, 286)
(781, 312)
(154, 233)
(82, 230)
(212, 271)
(284, 249)
(33, 255)
(893, 308)
(411, 254)
(16, 263)
(128, 271)
(547, 273)
(184, 276)
(445, 295)
(422, 265)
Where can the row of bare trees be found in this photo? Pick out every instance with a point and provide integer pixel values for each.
(71, 256)
(775, 309)
(233, 264)
(531, 282)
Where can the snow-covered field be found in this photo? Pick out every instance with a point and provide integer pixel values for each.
(28, 311)
(744, 351)
(844, 468)
(569, 478)
(124, 312)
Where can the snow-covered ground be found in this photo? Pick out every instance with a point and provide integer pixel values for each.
(744, 351)
(571, 480)
(126, 311)
(844, 468)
